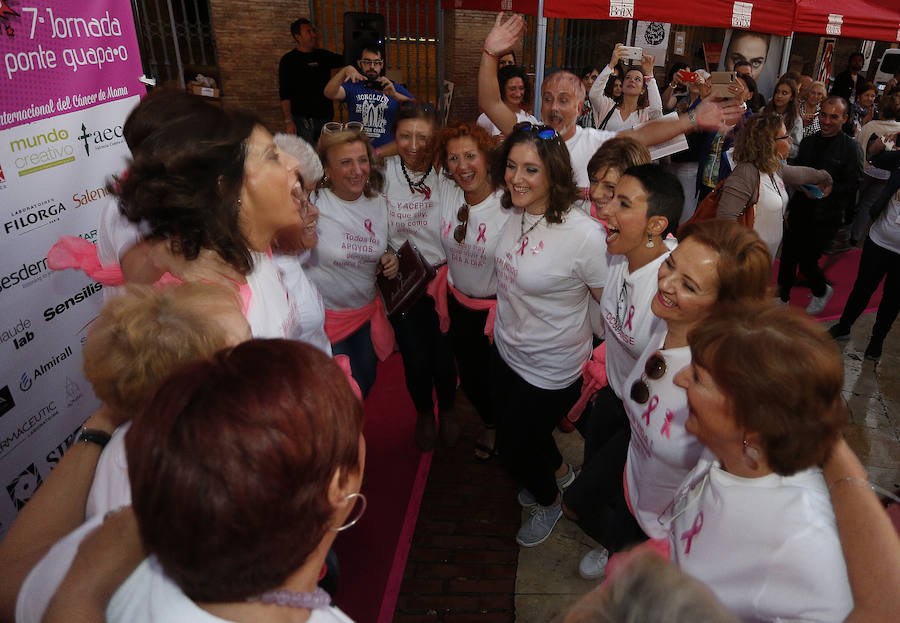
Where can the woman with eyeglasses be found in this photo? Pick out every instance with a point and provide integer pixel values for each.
(472, 219)
(515, 91)
(639, 102)
(549, 262)
(758, 180)
(413, 188)
(352, 247)
(755, 522)
(715, 262)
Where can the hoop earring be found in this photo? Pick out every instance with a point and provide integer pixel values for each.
(359, 515)
(751, 455)
(649, 244)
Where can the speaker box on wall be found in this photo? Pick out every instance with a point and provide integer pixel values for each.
(359, 29)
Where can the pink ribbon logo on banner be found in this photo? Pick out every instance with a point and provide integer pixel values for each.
(689, 534)
(650, 409)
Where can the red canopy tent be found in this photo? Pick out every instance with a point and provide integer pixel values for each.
(772, 16)
(525, 7)
(857, 19)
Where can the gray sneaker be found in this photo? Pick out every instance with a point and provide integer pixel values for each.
(539, 526)
(527, 499)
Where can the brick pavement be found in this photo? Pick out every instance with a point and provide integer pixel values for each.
(462, 564)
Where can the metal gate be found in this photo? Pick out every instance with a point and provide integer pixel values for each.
(176, 39)
(413, 51)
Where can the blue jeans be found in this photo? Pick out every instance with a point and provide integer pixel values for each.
(363, 361)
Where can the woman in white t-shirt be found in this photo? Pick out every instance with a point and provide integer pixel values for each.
(754, 521)
(353, 240)
(715, 262)
(252, 546)
(760, 175)
(639, 101)
(413, 187)
(471, 222)
(213, 182)
(515, 91)
(549, 262)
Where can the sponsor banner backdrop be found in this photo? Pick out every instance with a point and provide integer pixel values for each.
(69, 80)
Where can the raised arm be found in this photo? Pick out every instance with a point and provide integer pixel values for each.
(708, 116)
(868, 539)
(599, 100)
(652, 87)
(334, 89)
(505, 35)
(148, 260)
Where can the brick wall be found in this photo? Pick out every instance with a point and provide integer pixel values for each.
(464, 33)
(250, 39)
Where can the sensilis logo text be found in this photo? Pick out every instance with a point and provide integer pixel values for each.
(42, 151)
(86, 292)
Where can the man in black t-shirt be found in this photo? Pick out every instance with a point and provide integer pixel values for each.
(302, 74)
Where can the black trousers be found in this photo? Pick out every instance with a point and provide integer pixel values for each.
(427, 356)
(875, 264)
(526, 416)
(598, 495)
(805, 239)
(473, 356)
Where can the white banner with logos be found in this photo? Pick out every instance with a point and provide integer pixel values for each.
(60, 143)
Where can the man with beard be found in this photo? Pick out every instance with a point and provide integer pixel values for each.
(848, 83)
(372, 99)
(562, 95)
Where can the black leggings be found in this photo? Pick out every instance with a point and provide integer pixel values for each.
(526, 416)
(875, 264)
(473, 356)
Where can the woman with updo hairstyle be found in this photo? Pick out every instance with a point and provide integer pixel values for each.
(515, 91)
(759, 177)
(764, 389)
(785, 102)
(213, 182)
(352, 247)
(549, 262)
(472, 219)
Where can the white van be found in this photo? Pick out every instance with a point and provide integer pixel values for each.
(887, 67)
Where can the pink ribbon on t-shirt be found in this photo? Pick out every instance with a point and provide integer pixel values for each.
(630, 316)
(524, 244)
(482, 229)
(667, 425)
(650, 409)
(689, 534)
(593, 373)
(368, 225)
(479, 305)
(343, 323)
(437, 289)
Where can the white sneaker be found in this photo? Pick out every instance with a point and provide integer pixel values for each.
(593, 564)
(539, 526)
(526, 498)
(818, 303)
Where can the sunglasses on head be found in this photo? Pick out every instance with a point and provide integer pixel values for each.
(540, 131)
(654, 369)
(336, 126)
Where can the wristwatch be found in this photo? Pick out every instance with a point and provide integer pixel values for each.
(92, 435)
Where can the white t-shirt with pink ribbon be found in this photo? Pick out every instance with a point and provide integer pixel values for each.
(471, 262)
(352, 238)
(542, 329)
(629, 323)
(767, 547)
(661, 451)
(414, 214)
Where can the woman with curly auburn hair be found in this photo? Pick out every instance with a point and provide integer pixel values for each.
(764, 394)
(786, 103)
(471, 222)
(759, 177)
(353, 240)
(549, 262)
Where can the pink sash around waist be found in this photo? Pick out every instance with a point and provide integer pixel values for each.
(340, 324)
(479, 305)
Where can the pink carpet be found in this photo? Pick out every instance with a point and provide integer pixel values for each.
(840, 269)
(372, 554)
